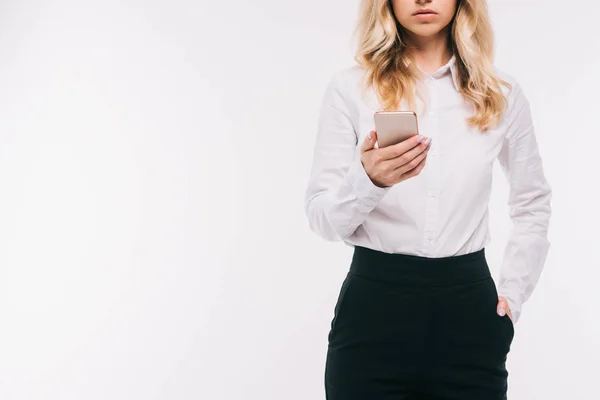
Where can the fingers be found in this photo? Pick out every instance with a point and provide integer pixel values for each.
(398, 149)
(369, 142)
(420, 162)
(399, 161)
(411, 160)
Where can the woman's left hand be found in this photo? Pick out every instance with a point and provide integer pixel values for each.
(503, 307)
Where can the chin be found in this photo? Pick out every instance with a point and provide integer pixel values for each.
(425, 30)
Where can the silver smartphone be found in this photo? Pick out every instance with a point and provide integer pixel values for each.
(395, 126)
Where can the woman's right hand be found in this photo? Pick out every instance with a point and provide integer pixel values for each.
(392, 164)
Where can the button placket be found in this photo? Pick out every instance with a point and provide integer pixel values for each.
(431, 200)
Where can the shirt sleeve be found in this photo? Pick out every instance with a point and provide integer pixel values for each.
(340, 194)
(529, 206)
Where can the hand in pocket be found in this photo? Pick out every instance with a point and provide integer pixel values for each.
(503, 307)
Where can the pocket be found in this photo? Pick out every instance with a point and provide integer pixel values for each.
(506, 326)
(340, 301)
(511, 328)
(502, 325)
(506, 321)
(478, 320)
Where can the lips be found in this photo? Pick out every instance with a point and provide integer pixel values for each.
(425, 11)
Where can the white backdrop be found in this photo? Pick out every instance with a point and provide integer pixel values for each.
(153, 162)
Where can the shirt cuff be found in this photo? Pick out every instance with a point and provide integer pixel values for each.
(362, 186)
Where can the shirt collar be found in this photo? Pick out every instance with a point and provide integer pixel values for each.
(453, 70)
(450, 65)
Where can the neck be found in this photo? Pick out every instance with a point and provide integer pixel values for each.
(430, 53)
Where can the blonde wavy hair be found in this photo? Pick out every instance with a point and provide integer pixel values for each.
(390, 69)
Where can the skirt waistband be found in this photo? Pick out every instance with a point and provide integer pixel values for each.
(413, 270)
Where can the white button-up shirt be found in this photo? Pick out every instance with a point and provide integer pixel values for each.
(443, 211)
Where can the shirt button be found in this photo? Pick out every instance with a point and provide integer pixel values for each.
(431, 113)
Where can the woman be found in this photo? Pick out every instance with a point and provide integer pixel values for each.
(419, 315)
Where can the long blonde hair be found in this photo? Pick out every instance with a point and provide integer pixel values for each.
(383, 54)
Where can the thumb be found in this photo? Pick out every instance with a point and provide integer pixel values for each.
(369, 142)
(502, 306)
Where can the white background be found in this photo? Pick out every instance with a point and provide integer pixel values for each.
(153, 162)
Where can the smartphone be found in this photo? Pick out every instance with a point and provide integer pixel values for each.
(395, 126)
